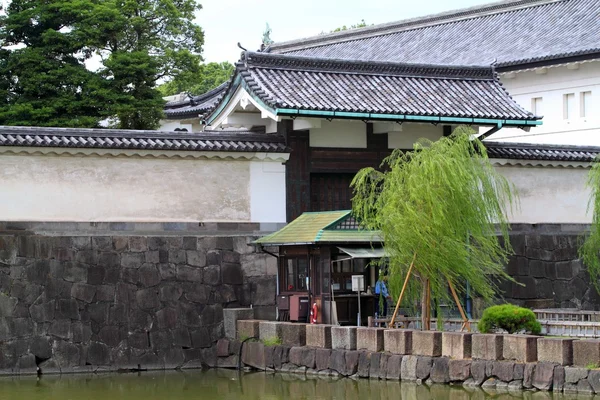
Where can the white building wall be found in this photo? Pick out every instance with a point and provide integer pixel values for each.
(549, 194)
(411, 133)
(551, 85)
(267, 192)
(338, 133)
(94, 188)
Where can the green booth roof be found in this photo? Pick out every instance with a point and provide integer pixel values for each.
(321, 227)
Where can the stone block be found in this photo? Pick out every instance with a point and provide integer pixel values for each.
(370, 339)
(374, 368)
(394, 366)
(343, 337)
(427, 343)
(543, 376)
(269, 330)
(575, 374)
(318, 336)
(322, 357)
(397, 341)
(487, 346)
(231, 317)
(503, 370)
(520, 348)
(248, 328)
(440, 370)
(479, 371)
(253, 354)
(558, 351)
(456, 345)
(594, 379)
(586, 352)
(424, 366)
(293, 334)
(459, 370)
(558, 382)
(364, 364)
(351, 358)
(409, 368)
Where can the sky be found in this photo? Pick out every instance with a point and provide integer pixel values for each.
(227, 22)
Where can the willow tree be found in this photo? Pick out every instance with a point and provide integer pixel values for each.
(441, 210)
(590, 251)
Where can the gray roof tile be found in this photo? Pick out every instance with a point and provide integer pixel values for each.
(512, 33)
(237, 141)
(196, 105)
(288, 82)
(543, 152)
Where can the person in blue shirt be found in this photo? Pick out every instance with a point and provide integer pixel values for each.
(383, 294)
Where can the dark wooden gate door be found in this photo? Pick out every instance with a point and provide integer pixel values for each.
(330, 192)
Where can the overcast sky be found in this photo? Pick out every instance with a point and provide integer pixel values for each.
(227, 22)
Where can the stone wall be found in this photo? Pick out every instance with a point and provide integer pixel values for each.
(546, 262)
(79, 303)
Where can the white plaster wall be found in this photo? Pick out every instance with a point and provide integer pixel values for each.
(168, 125)
(267, 192)
(551, 85)
(411, 133)
(91, 188)
(337, 133)
(549, 194)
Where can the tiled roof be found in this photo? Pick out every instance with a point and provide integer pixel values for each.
(141, 140)
(512, 33)
(195, 106)
(319, 227)
(286, 83)
(543, 152)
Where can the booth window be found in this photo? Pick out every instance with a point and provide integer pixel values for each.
(342, 271)
(296, 273)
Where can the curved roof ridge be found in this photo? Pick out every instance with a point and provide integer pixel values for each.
(308, 63)
(198, 98)
(444, 17)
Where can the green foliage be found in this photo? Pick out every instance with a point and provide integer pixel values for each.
(43, 75)
(593, 366)
(590, 250)
(361, 24)
(199, 79)
(510, 318)
(274, 341)
(443, 206)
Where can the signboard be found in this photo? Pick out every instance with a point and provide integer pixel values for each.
(358, 283)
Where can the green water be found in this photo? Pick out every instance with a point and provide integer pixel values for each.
(226, 385)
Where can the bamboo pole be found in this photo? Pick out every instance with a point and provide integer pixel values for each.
(393, 320)
(466, 323)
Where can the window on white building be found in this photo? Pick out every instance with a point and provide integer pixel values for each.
(569, 106)
(585, 100)
(537, 106)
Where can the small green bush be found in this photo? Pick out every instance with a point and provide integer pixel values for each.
(274, 341)
(509, 318)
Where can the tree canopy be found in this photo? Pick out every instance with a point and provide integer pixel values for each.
(440, 206)
(46, 45)
(199, 80)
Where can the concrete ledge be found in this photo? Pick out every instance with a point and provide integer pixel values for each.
(456, 345)
(269, 330)
(293, 334)
(231, 317)
(370, 339)
(343, 337)
(427, 343)
(558, 351)
(248, 328)
(586, 352)
(318, 336)
(487, 346)
(398, 341)
(521, 348)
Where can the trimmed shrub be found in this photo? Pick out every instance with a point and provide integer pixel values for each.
(510, 318)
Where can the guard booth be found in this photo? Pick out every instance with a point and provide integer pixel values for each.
(319, 253)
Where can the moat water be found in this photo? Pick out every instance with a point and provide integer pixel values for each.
(229, 385)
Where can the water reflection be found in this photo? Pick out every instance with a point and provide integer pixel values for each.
(229, 385)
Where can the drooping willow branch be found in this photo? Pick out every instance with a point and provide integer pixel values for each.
(445, 202)
(590, 251)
